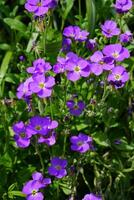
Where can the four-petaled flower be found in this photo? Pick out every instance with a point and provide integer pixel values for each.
(57, 167)
(81, 143)
(109, 29)
(75, 108)
(118, 77)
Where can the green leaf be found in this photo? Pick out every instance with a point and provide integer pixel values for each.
(69, 5)
(11, 194)
(15, 24)
(101, 139)
(91, 15)
(4, 46)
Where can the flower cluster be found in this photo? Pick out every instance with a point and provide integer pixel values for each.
(32, 188)
(40, 7)
(39, 83)
(43, 127)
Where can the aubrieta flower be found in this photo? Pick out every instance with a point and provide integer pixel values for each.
(39, 67)
(75, 108)
(39, 7)
(21, 58)
(118, 77)
(66, 44)
(41, 125)
(23, 91)
(126, 37)
(81, 143)
(32, 187)
(109, 29)
(116, 51)
(42, 85)
(76, 33)
(49, 139)
(57, 167)
(123, 6)
(76, 68)
(92, 196)
(58, 68)
(37, 176)
(21, 137)
(100, 63)
(91, 44)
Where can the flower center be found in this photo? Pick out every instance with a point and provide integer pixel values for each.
(109, 31)
(76, 107)
(34, 192)
(22, 135)
(115, 54)
(39, 4)
(77, 69)
(117, 77)
(80, 143)
(58, 167)
(101, 62)
(41, 85)
(38, 127)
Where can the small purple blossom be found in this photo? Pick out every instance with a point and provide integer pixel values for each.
(49, 139)
(109, 29)
(39, 67)
(59, 68)
(75, 108)
(91, 44)
(118, 77)
(57, 167)
(76, 68)
(66, 44)
(43, 181)
(31, 189)
(22, 58)
(123, 6)
(126, 37)
(41, 125)
(116, 51)
(39, 7)
(100, 63)
(76, 33)
(23, 91)
(92, 196)
(81, 143)
(42, 85)
(117, 141)
(21, 138)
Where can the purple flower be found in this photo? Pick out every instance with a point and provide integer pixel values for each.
(49, 139)
(57, 167)
(123, 6)
(109, 29)
(76, 33)
(39, 66)
(126, 37)
(39, 7)
(116, 51)
(21, 138)
(75, 108)
(81, 143)
(118, 77)
(43, 181)
(21, 58)
(92, 196)
(100, 63)
(91, 44)
(59, 68)
(41, 125)
(31, 189)
(23, 90)
(42, 85)
(77, 68)
(66, 44)
(117, 141)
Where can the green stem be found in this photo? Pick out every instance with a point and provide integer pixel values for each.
(39, 154)
(79, 2)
